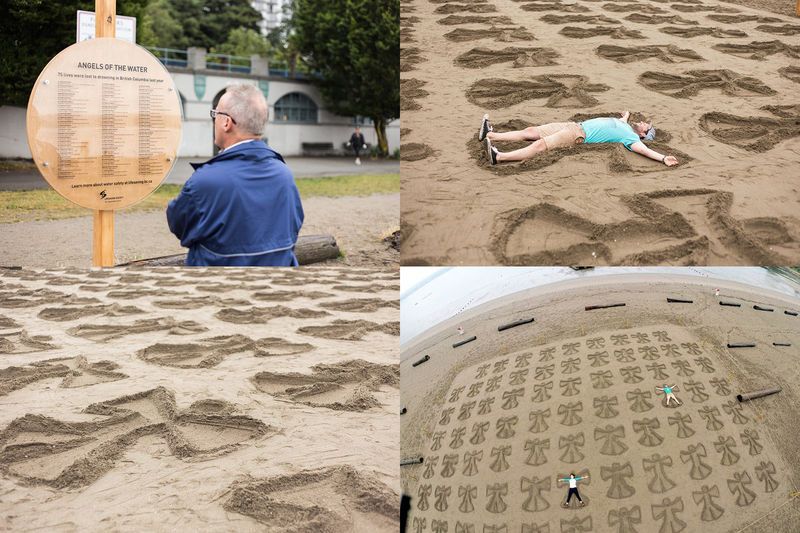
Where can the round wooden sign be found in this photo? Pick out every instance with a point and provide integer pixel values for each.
(104, 123)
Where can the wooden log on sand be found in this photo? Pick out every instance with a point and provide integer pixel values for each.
(309, 249)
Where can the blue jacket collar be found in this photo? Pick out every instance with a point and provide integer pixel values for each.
(253, 150)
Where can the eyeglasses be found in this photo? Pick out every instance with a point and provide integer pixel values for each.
(214, 114)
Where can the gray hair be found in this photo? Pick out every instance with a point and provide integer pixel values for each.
(248, 107)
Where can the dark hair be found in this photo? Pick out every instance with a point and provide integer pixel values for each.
(571, 474)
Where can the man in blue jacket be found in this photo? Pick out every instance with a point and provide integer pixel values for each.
(241, 207)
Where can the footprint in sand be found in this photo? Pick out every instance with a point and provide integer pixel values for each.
(561, 90)
(410, 58)
(786, 29)
(289, 296)
(516, 229)
(660, 19)
(686, 33)
(65, 314)
(790, 73)
(738, 19)
(693, 81)
(7, 322)
(23, 298)
(520, 57)
(544, 6)
(665, 53)
(262, 315)
(132, 294)
(410, 90)
(107, 332)
(361, 305)
(456, 20)
(21, 342)
(336, 499)
(503, 35)
(415, 151)
(199, 302)
(348, 386)
(447, 9)
(210, 352)
(699, 8)
(42, 450)
(756, 134)
(406, 36)
(76, 371)
(349, 330)
(637, 7)
(374, 287)
(564, 19)
(615, 33)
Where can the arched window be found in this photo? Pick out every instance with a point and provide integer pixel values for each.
(295, 107)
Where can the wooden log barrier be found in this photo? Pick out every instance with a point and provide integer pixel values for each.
(607, 306)
(759, 308)
(465, 341)
(420, 361)
(747, 396)
(411, 461)
(741, 345)
(679, 301)
(309, 249)
(730, 304)
(515, 324)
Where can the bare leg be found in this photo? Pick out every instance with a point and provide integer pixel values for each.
(528, 134)
(522, 154)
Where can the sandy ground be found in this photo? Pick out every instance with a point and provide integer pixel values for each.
(498, 420)
(202, 400)
(357, 223)
(719, 80)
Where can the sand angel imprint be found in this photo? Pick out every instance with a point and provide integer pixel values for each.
(604, 406)
(657, 464)
(705, 497)
(602, 379)
(569, 387)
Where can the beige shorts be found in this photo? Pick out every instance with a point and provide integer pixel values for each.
(561, 134)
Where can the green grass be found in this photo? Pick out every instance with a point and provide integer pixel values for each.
(46, 204)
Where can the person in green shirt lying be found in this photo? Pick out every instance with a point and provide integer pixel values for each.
(563, 134)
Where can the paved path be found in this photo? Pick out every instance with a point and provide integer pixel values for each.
(303, 167)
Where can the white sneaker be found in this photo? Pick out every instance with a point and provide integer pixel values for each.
(358, 161)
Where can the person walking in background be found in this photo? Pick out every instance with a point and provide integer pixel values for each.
(573, 488)
(357, 143)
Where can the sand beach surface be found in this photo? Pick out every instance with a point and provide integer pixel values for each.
(199, 399)
(498, 420)
(719, 80)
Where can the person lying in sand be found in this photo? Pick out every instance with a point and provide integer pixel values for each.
(563, 134)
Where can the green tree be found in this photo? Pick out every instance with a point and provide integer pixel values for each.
(33, 31)
(355, 46)
(244, 42)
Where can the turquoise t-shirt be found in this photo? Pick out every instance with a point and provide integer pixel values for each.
(609, 130)
(668, 390)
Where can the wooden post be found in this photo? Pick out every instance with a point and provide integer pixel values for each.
(105, 25)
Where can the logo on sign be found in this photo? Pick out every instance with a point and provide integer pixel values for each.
(103, 194)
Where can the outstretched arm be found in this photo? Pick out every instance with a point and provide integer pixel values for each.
(641, 149)
(625, 116)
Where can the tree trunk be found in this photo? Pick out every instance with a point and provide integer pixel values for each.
(380, 131)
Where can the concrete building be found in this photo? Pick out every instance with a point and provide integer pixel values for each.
(299, 124)
(272, 13)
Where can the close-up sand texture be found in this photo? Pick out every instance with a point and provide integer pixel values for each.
(491, 425)
(718, 79)
(199, 400)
